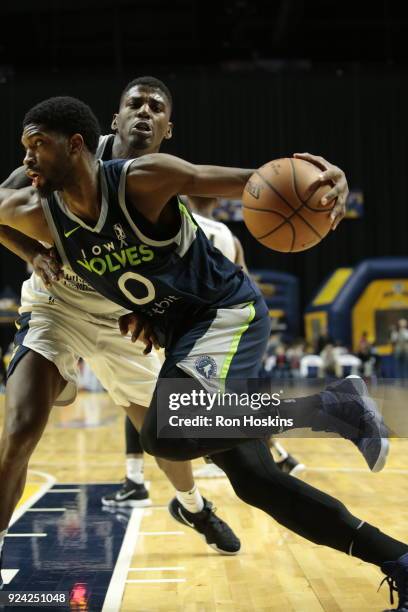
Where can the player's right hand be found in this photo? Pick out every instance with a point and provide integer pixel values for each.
(334, 175)
(141, 329)
(47, 265)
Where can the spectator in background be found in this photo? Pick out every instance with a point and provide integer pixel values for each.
(364, 346)
(322, 341)
(294, 355)
(328, 355)
(339, 349)
(399, 340)
(282, 365)
(367, 355)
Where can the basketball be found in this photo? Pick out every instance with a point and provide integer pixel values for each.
(279, 210)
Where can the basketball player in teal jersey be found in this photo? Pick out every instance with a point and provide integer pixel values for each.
(192, 297)
(42, 354)
(222, 238)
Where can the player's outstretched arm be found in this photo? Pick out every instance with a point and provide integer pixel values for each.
(154, 179)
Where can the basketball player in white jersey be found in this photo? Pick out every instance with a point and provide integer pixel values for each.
(224, 240)
(63, 321)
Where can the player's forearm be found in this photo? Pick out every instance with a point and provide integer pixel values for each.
(218, 181)
(167, 175)
(24, 247)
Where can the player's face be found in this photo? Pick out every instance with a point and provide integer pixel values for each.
(143, 120)
(47, 158)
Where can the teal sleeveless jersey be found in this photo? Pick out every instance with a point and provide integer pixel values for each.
(170, 280)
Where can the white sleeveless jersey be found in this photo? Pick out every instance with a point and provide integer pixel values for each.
(71, 292)
(219, 235)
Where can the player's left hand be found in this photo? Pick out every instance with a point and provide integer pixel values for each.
(334, 175)
(141, 329)
(46, 264)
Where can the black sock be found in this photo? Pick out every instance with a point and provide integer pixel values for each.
(373, 546)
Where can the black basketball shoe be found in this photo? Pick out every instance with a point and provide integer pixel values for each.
(397, 579)
(130, 495)
(348, 410)
(208, 525)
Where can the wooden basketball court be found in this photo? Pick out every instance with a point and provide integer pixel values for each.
(163, 567)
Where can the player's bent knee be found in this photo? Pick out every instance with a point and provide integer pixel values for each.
(24, 424)
(15, 450)
(162, 448)
(155, 446)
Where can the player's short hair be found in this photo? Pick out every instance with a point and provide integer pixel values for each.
(153, 83)
(68, 116)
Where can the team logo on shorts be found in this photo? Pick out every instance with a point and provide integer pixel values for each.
(206, 366)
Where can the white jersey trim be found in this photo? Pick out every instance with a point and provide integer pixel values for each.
(104, 205)
(54, 231)
(139, 234)
(103, 141)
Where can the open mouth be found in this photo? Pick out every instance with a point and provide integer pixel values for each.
(143, 126)
(34, 176)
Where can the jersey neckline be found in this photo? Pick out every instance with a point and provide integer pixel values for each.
(176, 239)
(104, 204)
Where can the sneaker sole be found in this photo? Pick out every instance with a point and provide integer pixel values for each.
(202, 536)
(298, 468)
(382, 457)
(128, 503)
(385, 443)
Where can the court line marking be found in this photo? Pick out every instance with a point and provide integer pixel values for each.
(116, 588)
(146, 483)
(157, 507)
(8, 575)
(65, 491)
(160, 533)
(99, 482)
(75, 464)
(44, 488)
(46, 510)
(26, 535)
(157, 580)
(176, 568)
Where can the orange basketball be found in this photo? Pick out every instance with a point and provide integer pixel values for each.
(279, 210)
